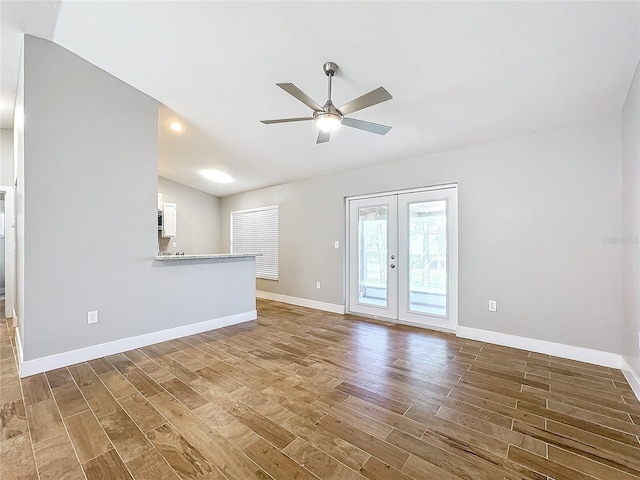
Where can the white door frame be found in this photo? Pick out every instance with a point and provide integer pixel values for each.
(453, 301)
(9, 252)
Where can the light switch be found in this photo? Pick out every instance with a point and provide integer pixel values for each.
(92, 317)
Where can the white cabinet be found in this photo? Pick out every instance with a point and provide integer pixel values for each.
(170, 220)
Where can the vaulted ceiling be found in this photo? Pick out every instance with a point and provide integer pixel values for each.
(460, 73)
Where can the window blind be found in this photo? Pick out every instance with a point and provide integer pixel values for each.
(256, 231)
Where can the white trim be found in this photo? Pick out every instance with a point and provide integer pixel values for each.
(301, 302)
(44, 364)
(258, 209)
(346, 252)
(18, 346)
(588, 355)
(10, 250)
(632, 377)
(400, 192)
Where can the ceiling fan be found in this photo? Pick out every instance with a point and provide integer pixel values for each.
(328, 118)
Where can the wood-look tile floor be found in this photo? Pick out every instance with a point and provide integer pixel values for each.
(303, 394)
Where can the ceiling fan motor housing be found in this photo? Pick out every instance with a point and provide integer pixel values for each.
(330, 69)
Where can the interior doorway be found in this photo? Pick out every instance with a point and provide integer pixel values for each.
(2, 245)
(403, 257)
(8, 256)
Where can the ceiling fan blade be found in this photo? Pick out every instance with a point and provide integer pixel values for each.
(285, 120)
(374, 97)
(368, 126)
(323, 137)
(291, 89)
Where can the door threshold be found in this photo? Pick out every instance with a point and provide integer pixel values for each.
(390, 322)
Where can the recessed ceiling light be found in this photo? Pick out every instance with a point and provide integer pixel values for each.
(176, 127)
(216, 176)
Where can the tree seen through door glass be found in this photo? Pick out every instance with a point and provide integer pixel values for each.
(428, 257)
(372, 258)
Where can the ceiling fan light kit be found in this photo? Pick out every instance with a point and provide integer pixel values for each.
(327, 122)
(328, 118)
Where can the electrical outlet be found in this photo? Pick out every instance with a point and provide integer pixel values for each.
(493, 306)
(174, 244)
(336, 244)
(318, 285)
(92, 317)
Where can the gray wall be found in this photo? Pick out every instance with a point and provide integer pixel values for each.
(6, 157)
(533, 211)
(630, 249)
(89, 230)
(198, 219)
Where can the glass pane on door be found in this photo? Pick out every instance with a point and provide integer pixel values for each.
(428, 255)
(372, 255)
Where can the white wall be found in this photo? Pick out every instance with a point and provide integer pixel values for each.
(88, 190)
(198, 219)
(6, 157)
(533, 212)
(630, 247)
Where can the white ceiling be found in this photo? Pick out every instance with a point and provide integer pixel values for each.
(460, 73)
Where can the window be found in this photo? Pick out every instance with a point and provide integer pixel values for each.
(256, 231)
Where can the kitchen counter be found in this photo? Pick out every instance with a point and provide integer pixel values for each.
(206, 256)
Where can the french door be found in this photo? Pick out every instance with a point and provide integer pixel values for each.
(403, 257)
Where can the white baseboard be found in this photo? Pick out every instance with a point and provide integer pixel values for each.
(44, 364)
(632, 377)
(301, 302)
(588, 355)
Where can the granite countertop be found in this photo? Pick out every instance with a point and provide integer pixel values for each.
(205, 256)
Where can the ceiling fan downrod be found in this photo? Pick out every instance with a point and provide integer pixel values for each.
(330, 69)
